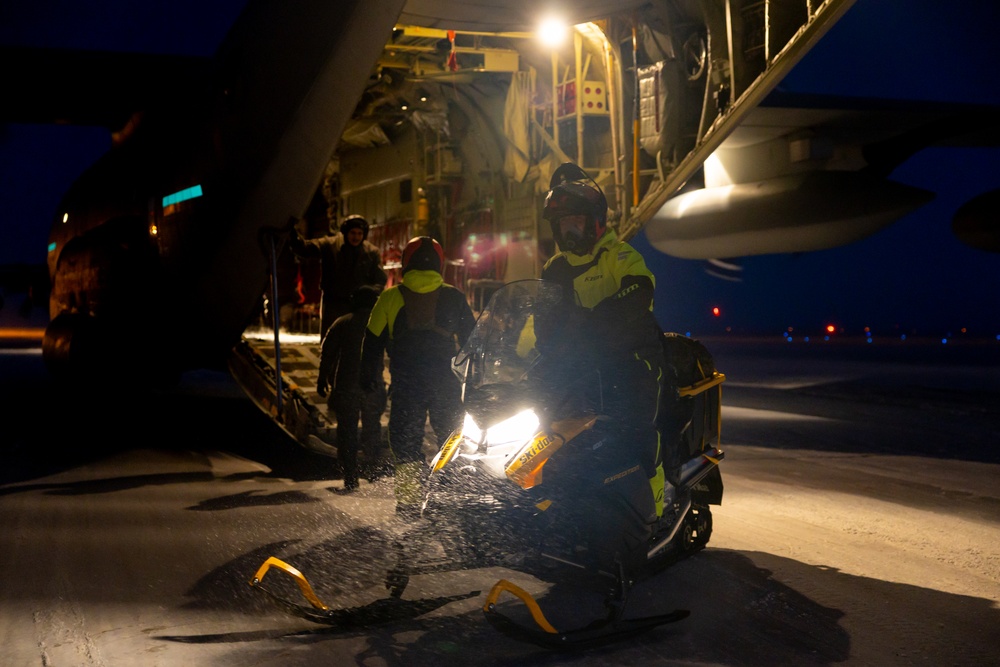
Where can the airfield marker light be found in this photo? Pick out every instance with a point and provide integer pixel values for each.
(716, 311)
(552, 32)
(830, 328)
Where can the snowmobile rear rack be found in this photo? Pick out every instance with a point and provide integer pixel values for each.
(610, 629)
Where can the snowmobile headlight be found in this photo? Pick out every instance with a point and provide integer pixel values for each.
(465, 440)
(516, 429)
(471, 430)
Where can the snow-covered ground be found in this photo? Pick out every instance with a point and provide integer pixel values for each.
(860, 525)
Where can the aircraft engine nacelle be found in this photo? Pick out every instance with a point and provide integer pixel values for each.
(797, 213)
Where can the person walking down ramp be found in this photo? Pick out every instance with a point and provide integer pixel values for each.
(340, 366)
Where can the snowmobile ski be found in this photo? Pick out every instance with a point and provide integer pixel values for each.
(613, 628)
(378, 612)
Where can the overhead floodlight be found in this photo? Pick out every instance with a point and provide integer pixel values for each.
(552, 32)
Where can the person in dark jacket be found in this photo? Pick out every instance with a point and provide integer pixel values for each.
(422, 323)
(611, 327)
(348, 262)
(340, 367)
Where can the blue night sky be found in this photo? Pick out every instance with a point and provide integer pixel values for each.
(912, 277)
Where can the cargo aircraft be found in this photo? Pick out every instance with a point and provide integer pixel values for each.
(445, 118)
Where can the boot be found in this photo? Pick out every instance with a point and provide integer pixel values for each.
(409, 490)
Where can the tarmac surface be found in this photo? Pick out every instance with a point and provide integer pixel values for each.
(859, 526)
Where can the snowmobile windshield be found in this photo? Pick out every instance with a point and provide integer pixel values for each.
(505, 342)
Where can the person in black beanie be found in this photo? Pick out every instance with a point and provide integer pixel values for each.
(348, 262)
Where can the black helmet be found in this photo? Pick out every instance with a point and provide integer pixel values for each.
(364, 297)
(423, 254)
(354, 221)
(569, 194)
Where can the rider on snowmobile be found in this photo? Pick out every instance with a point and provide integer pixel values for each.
(611, 328)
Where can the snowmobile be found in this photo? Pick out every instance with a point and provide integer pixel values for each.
(537, 479)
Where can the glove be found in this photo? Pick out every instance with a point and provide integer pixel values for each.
(322, 389)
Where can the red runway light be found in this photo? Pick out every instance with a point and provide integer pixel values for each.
(716, 311)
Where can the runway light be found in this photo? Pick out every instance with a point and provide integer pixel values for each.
(830, 328)
(716, 311)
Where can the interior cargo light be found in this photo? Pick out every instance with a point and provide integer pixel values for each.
(552, 32)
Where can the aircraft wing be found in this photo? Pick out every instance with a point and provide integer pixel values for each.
(809, 172)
